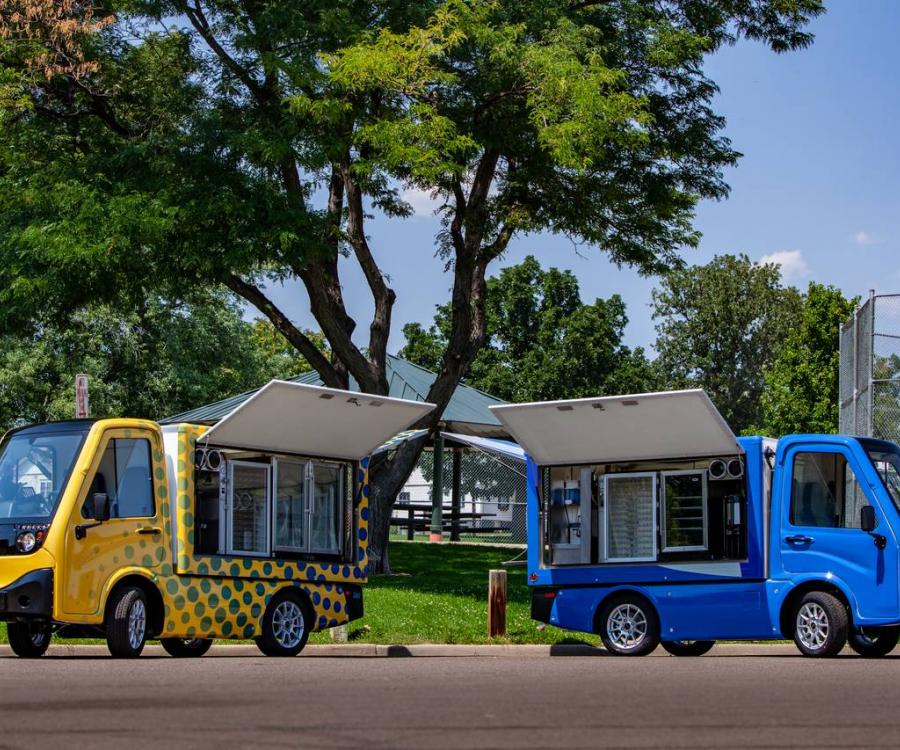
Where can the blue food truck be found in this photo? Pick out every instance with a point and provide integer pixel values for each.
(649, 522)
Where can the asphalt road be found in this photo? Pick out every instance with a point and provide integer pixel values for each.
(755, 697)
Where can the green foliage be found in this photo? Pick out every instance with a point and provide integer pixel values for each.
(721, 327)
(277, 358)
(801, 388)
(543, 341)
(160, 360)
(193, 146)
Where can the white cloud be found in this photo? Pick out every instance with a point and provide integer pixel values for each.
(793, 264)
(863, 238)
(421, 201)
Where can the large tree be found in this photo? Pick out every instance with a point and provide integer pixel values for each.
(721, 327)
(801, 388)
(542, 342)
(194, 142)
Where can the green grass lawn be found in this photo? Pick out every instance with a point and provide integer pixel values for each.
(438, 594)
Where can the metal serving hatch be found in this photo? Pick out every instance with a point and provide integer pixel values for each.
(647, 426)
(310, 420)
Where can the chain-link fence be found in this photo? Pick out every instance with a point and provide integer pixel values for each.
(870, 370)
(491, 492)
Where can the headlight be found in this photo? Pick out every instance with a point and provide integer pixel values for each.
(26, 541)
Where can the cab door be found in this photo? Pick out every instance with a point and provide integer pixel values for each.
(823, 489)
(132, 537)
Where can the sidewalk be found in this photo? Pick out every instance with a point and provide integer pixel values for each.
(370, 650)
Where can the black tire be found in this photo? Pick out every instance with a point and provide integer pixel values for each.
(282, 634)
(687, 648)
(186, 648)
(873, 642)
(126, 622)
(623, 616)
(821, 624)
(27, 640)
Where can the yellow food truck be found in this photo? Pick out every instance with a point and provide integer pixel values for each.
(256, 527)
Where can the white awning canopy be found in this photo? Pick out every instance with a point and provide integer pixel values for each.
(310, 420)
(647, 426)
(491, 445)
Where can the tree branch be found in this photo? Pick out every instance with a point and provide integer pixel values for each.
(459, 216)
(322, 282)
(294, 335)
(476, 211)
(201, 25)
(500, 243)
(382, 294)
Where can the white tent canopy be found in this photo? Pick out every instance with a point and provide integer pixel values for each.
(491, 445)
(310, 420)
(647, 426)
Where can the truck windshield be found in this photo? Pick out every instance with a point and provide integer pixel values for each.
(886, 461)
(34, 468)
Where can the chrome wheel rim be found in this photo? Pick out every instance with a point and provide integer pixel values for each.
(137, 624)
(192, 642)
(626, 626)
(39, 639)
(812, 626)
(288, 624)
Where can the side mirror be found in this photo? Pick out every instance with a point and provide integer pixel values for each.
(100, 501)
(867, 520)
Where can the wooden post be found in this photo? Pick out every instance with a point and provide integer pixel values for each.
(496, 603)
(410, 524)
(456, 495)
(437, 490)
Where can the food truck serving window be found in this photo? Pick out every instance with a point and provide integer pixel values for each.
(644, 512)
(262, 505)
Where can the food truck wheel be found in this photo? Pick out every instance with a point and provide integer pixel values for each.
(28, 640)
(285, 625)
(688, 648)
(873, 642)
(183, 648)
(629, 625)
(820, 624)
(126, 622)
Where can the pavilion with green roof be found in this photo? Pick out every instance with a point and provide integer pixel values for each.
(466, 414)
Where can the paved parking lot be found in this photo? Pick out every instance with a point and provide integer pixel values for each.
(737, 696)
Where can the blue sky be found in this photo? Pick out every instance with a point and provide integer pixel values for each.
(818, 188)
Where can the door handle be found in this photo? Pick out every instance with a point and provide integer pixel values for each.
(150, 530)
(799, 539)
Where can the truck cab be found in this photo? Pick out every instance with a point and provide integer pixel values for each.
(650, 522)
(254, 527)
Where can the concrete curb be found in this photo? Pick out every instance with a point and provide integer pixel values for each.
(371, 650)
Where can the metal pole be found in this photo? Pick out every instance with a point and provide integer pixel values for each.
(437, 490)
(854, 430)
(456, 495)
(870, 370)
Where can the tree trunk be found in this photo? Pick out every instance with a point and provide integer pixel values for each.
(386, 477)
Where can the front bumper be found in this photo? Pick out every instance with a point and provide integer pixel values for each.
(30, 596)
